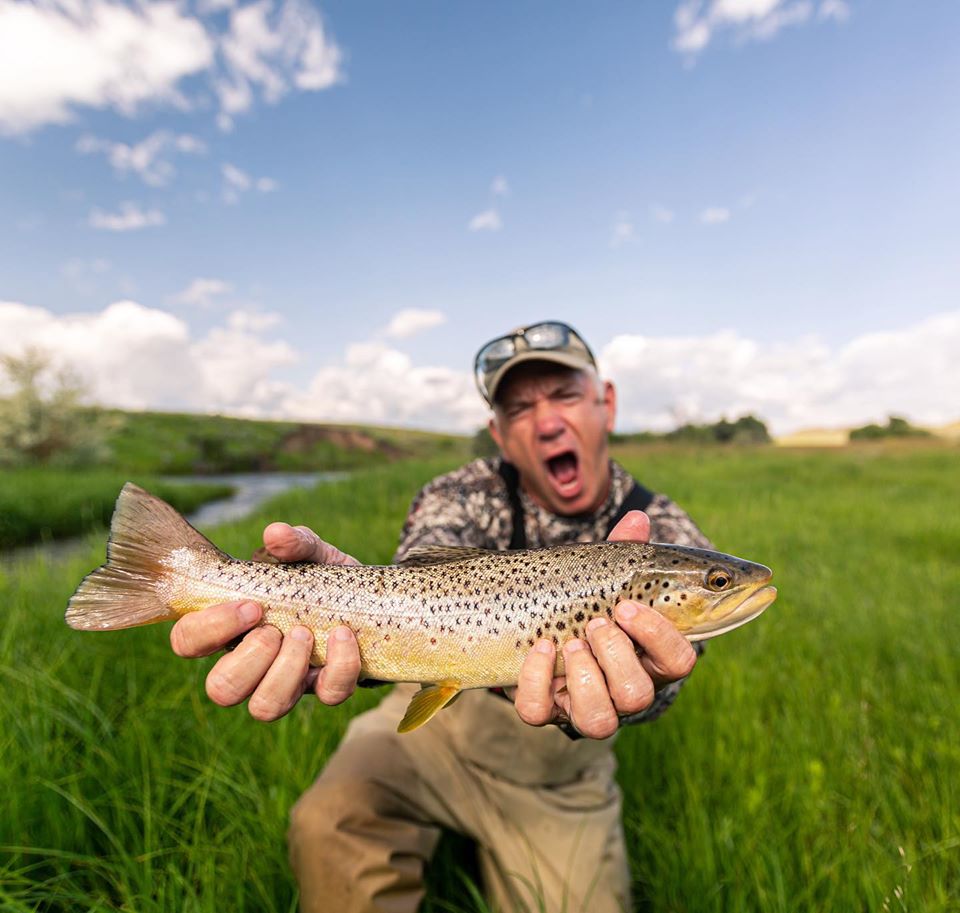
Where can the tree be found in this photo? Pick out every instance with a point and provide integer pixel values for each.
(44, 419)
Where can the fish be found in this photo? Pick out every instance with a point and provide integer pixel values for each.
(449, 618)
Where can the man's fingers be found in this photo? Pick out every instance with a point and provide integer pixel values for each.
(668, 655)
(634, 527)
(205, 632)
(628, 683)
(282, 685)
(300, 543)
(534, 695)
(236, 674)
(338, 678)
(591, 710)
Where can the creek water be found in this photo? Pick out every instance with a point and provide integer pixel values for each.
(250, 490)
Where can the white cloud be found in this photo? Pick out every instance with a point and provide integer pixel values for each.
(59, 56)
(715, 215)
(138, 357)
(834, 9)
(378, 384)
(499, 186)
(697, 22)
(269, 50)
(147, 158)
(798, 384)
(411, 321)
(623, 230)
(661, 213)
(236, 182)
(203, 292)
(488, 220)
(130, 217)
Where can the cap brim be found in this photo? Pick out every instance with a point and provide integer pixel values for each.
(579, 362)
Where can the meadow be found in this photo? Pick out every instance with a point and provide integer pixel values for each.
(812, 762)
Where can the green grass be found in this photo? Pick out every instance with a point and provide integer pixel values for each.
(811, 763)
(38, 505)
(173, 443)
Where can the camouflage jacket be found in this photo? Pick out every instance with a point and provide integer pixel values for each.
(470, 507)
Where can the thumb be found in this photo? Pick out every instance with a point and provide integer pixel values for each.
(634, 527)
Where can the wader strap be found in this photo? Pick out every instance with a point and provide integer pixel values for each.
(638, 498)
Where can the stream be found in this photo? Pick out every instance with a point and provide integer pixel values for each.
(250, 490)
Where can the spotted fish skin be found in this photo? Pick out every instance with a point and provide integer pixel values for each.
(462, 616)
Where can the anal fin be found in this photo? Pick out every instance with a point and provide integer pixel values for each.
(426, 702)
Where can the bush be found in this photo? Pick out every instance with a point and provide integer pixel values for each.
(44, 420)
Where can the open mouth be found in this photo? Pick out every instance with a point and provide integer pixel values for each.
(748, 609)
(564, 471)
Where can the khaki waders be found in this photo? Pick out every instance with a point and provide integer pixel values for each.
(544, 811)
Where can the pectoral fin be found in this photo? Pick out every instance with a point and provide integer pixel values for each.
(426, 702)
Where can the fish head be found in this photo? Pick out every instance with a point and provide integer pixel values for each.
(704, 593)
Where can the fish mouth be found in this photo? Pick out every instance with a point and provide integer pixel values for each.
(563, 471)
(748, 609)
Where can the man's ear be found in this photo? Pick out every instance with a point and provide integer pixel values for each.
(610, 401)
(495, 432)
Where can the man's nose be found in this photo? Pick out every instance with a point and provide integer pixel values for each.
(548, 420)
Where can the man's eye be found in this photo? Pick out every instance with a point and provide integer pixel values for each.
(517, 410)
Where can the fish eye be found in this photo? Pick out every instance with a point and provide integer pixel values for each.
(718, 578)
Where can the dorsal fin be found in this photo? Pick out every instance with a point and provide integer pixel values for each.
(422, 555)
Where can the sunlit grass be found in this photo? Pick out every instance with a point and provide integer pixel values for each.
(810, 763)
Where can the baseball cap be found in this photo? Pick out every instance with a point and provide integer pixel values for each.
(549, 340)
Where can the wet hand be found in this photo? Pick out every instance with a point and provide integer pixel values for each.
(614, 672)
(271, 670)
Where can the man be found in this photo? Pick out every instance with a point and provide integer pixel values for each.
(540, 801)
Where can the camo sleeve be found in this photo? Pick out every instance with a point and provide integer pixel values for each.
(466, 507)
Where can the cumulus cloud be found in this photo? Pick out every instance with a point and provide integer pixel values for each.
(270, 50)
(488, 220)
(130, 217)
(137, 357)
(376, 383)
(236, 182)
(715, 215)
(697, 22)
(203, 292)
(663, 381)
(148, 159)
(411, 321)
(124, 56)
(62, 54)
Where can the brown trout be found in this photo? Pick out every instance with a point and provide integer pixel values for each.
(448, 618)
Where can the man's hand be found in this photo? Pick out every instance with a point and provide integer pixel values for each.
(270, 669)
(605, 678)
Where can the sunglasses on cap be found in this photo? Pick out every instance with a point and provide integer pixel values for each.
(547, 341)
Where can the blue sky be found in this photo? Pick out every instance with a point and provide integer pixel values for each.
(743, 204)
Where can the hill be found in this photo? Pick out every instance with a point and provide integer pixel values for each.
(180, 443)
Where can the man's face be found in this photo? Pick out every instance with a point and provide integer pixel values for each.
(552, 424)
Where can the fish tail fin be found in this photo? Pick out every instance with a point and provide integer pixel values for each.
(123, 592)
(426, 702)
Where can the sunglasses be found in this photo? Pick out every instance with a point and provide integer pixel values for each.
(549, 336)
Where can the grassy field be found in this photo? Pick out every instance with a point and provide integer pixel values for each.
(811, 764)
(39, 505)
(173, 443)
